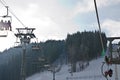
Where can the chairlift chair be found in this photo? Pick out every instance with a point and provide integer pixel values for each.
(5, 24)
(41, 59)
(36, 45)
(3, 33)
(17, 45)
(114, 57)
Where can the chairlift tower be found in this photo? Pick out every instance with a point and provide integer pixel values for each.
(25, 35)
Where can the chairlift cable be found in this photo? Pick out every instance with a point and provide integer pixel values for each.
(10, 10)
(17, 18)
(99, 25)
(110, 74)
(3, 3)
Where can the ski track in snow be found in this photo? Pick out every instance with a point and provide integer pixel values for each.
(92, 72)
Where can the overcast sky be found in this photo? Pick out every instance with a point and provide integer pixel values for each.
(54, 19)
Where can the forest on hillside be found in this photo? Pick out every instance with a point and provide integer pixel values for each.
(80, 46)
(84, 46)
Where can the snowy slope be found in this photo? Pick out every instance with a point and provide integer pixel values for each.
(92, 72)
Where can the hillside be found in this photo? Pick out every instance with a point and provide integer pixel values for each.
(76, 47)
(93, 72)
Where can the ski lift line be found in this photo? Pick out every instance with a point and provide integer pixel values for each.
(3, 3)
(98, 24)
(17, 18)
(10, 10)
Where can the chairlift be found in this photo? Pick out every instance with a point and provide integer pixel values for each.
(3, 33)
(114, 56)
(41, 59)
(36, 46)
(17, 45)
(5, 24)
(47, 65)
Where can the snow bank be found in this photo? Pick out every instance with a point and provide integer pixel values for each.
(92, 72)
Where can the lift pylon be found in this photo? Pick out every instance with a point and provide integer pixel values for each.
(25, 35)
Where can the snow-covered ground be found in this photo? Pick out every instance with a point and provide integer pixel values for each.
(92, 72)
